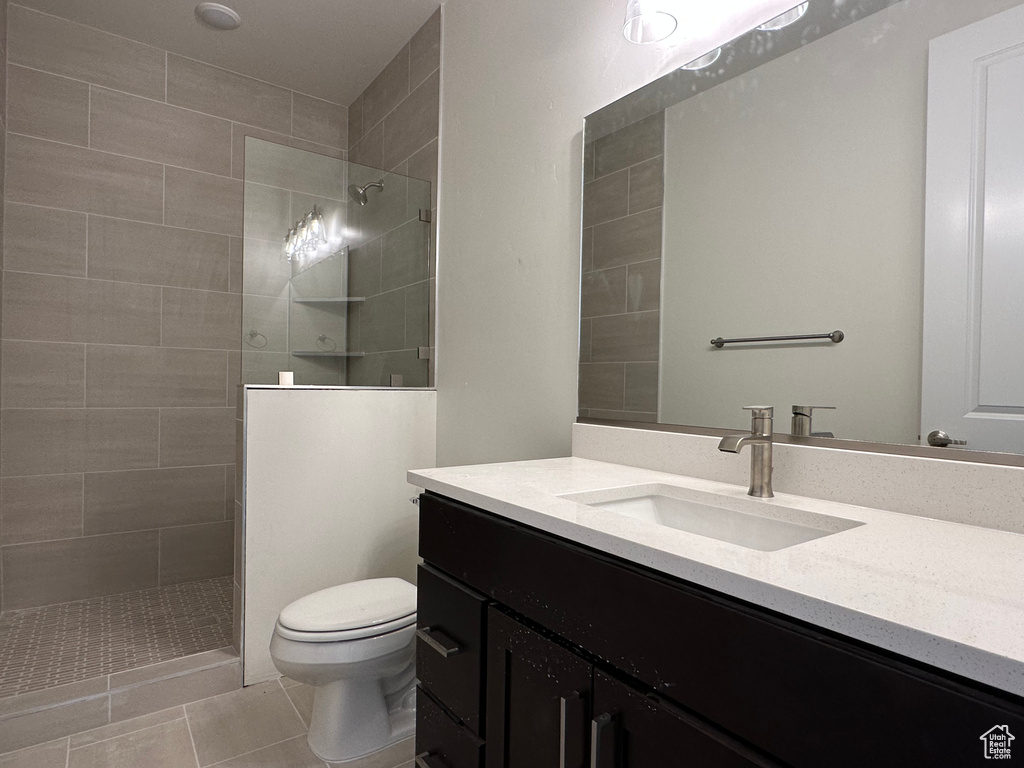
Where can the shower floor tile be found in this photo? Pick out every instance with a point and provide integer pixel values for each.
(59, 644)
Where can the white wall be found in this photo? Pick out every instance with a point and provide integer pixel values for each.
(517, 79)
(794, 203)
(326, 500)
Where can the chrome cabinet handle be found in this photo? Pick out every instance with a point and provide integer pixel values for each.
(602, 742)
(427, 760)
(571, 749)
(438, 641)
(940, 439)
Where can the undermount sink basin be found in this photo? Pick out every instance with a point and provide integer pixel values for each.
(752, 523)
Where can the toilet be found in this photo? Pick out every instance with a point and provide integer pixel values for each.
(354, 644)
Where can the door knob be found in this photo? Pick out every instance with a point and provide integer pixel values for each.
(940, 439)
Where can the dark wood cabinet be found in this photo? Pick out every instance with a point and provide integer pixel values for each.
(636, 730)
(538, 699)
(661, 672)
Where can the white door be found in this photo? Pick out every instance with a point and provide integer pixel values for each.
(973, 366)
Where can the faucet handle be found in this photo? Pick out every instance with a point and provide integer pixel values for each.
(760, 419)
(807, 410)
(802, 418)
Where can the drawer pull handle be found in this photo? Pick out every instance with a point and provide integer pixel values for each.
(438, 641)
(572, 732)
(427, 760)
(603, 747)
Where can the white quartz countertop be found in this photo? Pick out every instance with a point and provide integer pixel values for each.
(946, 594)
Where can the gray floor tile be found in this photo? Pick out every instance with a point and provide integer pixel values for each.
(162, 746)
(126, 727)
(50, 755)
(294, 753)
(392, 757)
(243, 721)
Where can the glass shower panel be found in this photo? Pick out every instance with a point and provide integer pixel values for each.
(350, 307)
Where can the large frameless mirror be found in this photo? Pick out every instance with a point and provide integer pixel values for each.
(858, 171)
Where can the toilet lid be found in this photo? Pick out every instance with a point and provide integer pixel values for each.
(356, 605)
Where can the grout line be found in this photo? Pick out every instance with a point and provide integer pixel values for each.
(166, 53)
(88, 116)
(126, 733)
(119, 218)
(133, 282)
(294, 708)
(67, 753)
(191, 738)
(254, 751)
(117, 154)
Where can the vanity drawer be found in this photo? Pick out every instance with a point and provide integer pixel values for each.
(441, 741)
(798, 693)
(450, 621)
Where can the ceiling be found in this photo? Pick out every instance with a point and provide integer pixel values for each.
(331, 49)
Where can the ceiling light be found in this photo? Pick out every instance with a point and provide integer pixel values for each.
(218, 16)
(647, 21)
(703, 61)
(791, 16)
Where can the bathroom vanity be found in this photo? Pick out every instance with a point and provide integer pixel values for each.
(555, 631)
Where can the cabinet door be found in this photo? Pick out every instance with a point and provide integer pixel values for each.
(631, 730)
(538, 699)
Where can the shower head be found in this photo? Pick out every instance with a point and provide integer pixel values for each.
(358, 194)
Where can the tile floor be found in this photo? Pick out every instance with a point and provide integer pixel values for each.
(263, 726)
(59, 644)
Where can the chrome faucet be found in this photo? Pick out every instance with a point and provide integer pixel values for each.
(760, 441)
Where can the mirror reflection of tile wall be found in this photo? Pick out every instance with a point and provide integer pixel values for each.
(621, 272)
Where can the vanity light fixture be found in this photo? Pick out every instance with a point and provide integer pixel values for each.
(648, 21)
(703, 61)
(791, 16)
(308, 234)
(218, 16)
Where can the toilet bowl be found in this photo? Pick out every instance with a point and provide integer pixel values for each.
(354, 644)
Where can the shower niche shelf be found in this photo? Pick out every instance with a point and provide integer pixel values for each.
(317, 353)
(329, 300)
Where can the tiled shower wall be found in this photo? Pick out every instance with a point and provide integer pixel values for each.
(3, 166)
(393, 125)
(621, 282)
(121, 306)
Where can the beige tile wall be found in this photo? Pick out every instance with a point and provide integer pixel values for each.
(621, 282)
(393, 126)
(121, 305)
(59, 520)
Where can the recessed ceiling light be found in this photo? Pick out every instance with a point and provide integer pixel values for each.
(703, 61)
(791, 16)
(218, 16)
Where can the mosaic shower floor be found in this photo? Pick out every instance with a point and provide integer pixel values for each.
(58, 644)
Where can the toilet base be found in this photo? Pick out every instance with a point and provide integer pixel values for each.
(369, 726)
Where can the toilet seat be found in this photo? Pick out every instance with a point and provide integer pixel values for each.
(337, 636)
(352, 611)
